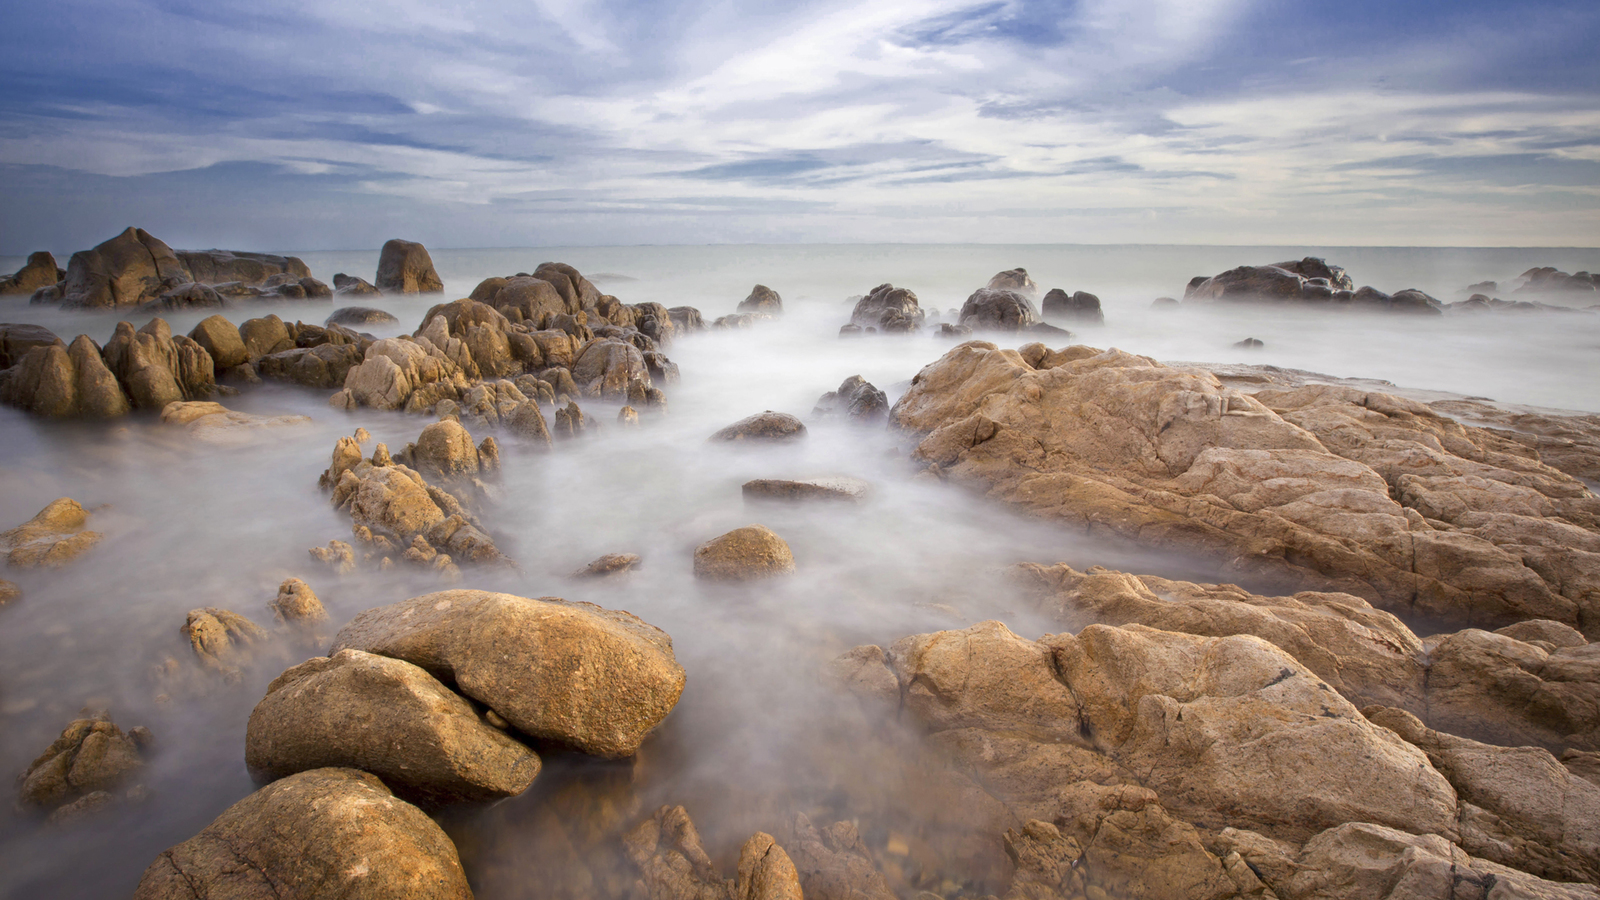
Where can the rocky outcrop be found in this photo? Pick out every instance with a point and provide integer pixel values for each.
(223, 266)
(838, 487)
(672, 864)
(1308, 281)
(612, 370)
(1570, 443)
(60, 381)
(55, 536)
(888, 309)
(351, 286)
(322, 833)
(750, 553)
(387, 717)
(223, 641)
(1016, 280)
(156, 368)
(297, 605)
(1548, 279)
(221, 339)
(404, 267)
(856, 400)
(769, 426)
(609, 566)
(1081, 307)
(16, 339)
(1495, 687)
(595, 679)
(38, 272)
(762, 299)
(992, 309)
(1322, 488)
(127, 270)
(686, 319)
(91, 756)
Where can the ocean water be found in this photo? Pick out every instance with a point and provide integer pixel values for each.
(189, 524)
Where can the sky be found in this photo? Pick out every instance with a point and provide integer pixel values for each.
(330, 124)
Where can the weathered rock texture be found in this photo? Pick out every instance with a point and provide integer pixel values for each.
(322, 833)
(762, 299)
(39, 271)
(390, 718)
(92, 754)
(1322, 487)
(767, 426)
(888, 309)
(126, 270)
(991, 309)
(404, 267)
(750, 553)
(1309, 281)
(1080, 307)
(595, 679)
(672, 864)
(55, 536)
(856, 400)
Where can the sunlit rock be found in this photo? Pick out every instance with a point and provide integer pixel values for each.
(750, 553)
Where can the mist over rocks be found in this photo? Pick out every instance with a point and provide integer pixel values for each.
(888, 309)
(1081, 307)
(762, 299)
(1310, 281)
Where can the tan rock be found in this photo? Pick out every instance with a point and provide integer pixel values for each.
(445, 449)
(1496, 688)
(838, 487)
(834, 864)
(608, 566)
(592, 678)
(127, 270)
(52, 538)
(322, 833)
(92, 754)
(221, 640)
(387, 717)
(214, 423)
(744, 554)
(9, 592)
(607, 367)
(404, 267)
(221, 339)
(296, 604)
(768, 426)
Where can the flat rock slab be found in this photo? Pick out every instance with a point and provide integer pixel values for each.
(838, 487)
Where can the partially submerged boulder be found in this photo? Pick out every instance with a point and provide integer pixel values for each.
(744, 554)
(360, 315)
(1013, 280)
(55, 536)
(390, 718)
(404, 267)
(609, 566)
(856, 400)
(991, 309)
(838, 487)
(672, 864)
(223, 266)
(222, 640)
(58, 381)
(297, 605)
(769, 426)
(322, 833)
(215, 423)
(762, 299)
(92, 754)
(888, 309)
(595, 679)
(1080, 307)
(127, 270)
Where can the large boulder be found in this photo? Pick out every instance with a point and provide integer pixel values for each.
(575, 290)
(127, 270)
(1248, 283)
(155, 367)
(322, 833)
(390, 718)
(1080, 307)
(762, 299)
(526, 298)
(222, 266)
(322, 366)
(52, 380)
(221, 339)
(744, 554)
(360, 315)
(1318, 488)
(17, 338)
(888, 309)
(609, 368)
(1317, 267)
(39, 271)
(404, 267)
(446, 450)
(991, 309)
(596, 679)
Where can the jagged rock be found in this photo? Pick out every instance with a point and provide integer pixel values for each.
(445, 449)
(155, 368)
(360, 315)
(655, 321)
(184, 297)
(665, 850)
(1013, 280)
(52, 380)
(686, 318)
(221, 640)
(1570, 443)
(404, 267)
(768, 426)
(889, 309)
(16, 339)
(610, 565)
(38, 272)
(1322, 487)
(1081, 307)
(1249, 344)
(838, 487)
(127, 270)
(527, 421)
(92, 754)
(595, 679)
(762, 299)
(322, 366)
(856, 400)
(1497, 688)
(55, 536)
(297, 605)
(743, 554)
(387, 717)
(570, 421)
(338, 556)
(574, 289)
(997, 310)
(607, 369)
(322, 833)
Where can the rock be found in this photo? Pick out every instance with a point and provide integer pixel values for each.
(221, 640)
(184, 296)
(92, 754)
(655, 321)
(1249, 344)
(1570, 443)
(297, 605)
(889, 309)
(686, 318)
(1553, 633)
(762, 299)
(405, 267)
(1415, 301)
(360, 315)
(533, 300)
(570, 421)
(1313, 267)
(1547, 279)
(9, 592)
(574, 289)
(387, 717)
(338, 555)
(834, 864)
(527, 421)
(947, 330)
(445, 449)
(322, 833)
(222, 340)
(1013, 280)
(998, 310)
(351, 286)
(856, 400)
(1165, 303)
(607, 369)
(1496, 688)
(628, 416)
(1321, 488)
(265, 335)
(665, 850)
(744, 554)
(609, 565)
(38, 272)
(323, 366)
(768, 426)
(1126, 847)
(1248, 283)
(220, 266)
(17, 339)
(127, 270)
(1081, 307)
(595, 679)
(215, 423)
(156, 368)
(55, 536)
(834, 488)
(52, 380)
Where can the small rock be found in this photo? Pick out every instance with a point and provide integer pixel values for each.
(834, 488)
(52, 538)
(766, 426)
(9, 592)
(1249, 344)
(92, 754)
(297, 604)
(221, 639)
(627, 416)
(762, 299)
(744, 554)
(609, 565)
(856, 399)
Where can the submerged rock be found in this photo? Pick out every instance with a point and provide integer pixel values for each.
(404, 267)
(322, 833)
(672, 864)
(610, 565)
(215, 423)
(888, 309)
(351, 286)
(1080, 307)
(992, 309)
(297, 605)
(91, 755)
(856, 400)
(222, 640)
(595, 679)
(838, 487)
(55, 536)
(768, 426)
(360, 315)
(762, 299)
(387, 717)
(744, 554)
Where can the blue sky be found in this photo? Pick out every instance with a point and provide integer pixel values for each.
(333, 124)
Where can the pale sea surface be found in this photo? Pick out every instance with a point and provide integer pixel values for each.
(191, 524)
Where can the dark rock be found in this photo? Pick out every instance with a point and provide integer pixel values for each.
(265, 335)
(575, 289)
(856, 399)
(1483, 287)
(54, 380)
(404, 267)
(1079, 307)
(609, 565)
(92, 754)
(128, 270)
(835, 488)
(219, 266)
(322, 833)
(1014, 280)
(607, 368)
(1249, 344)
(1313, 267)
(322, 366)
(360, 315)
(185, 296)
(1412, 300)
(17, 339)
(1164, 303)
(1047, 330)
(655, 321)
(1547, 279)
(889, 309)
(767, 426)
(1248, 283)
(947, 330)
(351, 286)
(849, 331)
(155, 368)
(762, 299)
(998, 310)
(39, 272)
(535, 300)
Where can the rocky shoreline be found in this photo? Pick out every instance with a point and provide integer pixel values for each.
(1399, 699)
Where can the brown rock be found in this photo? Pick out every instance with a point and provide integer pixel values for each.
(609, 565)
(833, 863)
(92, 754)
(762, 299)
(744, 554)
(55, 536)
(1013, 280)
(222, 640)
(39, 271)
(837, 487)
(296, 604)
(127, 270)
(404, 267)
(767, 426)
(9, 592)
(1496, 688)
(607, 368)
(264, 336)
(322, 833)
(592, 678)
(445, 449)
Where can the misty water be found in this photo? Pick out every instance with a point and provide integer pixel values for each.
(190, 524)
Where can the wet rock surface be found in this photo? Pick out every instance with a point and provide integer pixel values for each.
(92, 756)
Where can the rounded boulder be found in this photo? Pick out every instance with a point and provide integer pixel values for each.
(743, 554)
